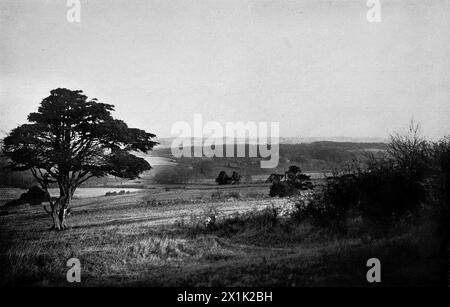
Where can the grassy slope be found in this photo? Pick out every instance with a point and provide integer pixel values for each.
(131, 240)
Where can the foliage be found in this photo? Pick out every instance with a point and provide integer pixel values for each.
(223, 178)
(175, 175)
(413, 177)
(293, 182)
(235, 178)
(410, 153)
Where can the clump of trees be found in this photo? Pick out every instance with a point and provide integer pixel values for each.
(179, 174)
(223, 178)
(121, 192)
(186, 171)
(71, 139)
(293, 181)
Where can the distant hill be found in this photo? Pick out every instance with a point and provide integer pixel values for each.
(313, 157)
(300, 140)
(316, 156)
(166, 142)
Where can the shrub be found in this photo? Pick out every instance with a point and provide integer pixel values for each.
(281, 189)
(387, 192)
(235, 178)
(381, 193)
(293, 182)
(34, 196)
(320, 211)
(410, 153)
(413, 173)
(223, 178)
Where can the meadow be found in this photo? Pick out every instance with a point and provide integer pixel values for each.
(160, 237)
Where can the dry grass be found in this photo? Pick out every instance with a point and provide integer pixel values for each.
(124, 240)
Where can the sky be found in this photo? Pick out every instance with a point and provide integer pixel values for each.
(319, 68)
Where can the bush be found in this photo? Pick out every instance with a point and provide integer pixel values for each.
(387, 192)
(381, 194)
(410, 153)
(223, 178)
(292, 183)
(320, 211)
(34, 196)
(412, 176)
(282, 189)
(235, 178)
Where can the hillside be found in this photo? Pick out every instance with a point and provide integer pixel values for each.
(320, 156)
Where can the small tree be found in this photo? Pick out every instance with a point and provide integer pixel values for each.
(72, 139)
(223, 178)
(235, 178)
(297, 179)
(410, 152)
(292, 182)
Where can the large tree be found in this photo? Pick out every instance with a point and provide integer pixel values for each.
(70, 139)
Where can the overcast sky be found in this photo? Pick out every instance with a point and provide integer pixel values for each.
(318, 67)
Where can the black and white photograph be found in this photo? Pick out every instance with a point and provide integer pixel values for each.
(224, 144)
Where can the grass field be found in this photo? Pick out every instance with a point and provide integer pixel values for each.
(156, 237)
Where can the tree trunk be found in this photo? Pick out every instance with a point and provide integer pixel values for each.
(59, 213)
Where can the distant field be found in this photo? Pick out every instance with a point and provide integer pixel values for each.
(13, 193)
(161, 191)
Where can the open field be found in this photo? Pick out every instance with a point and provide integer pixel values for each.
(145, 238)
